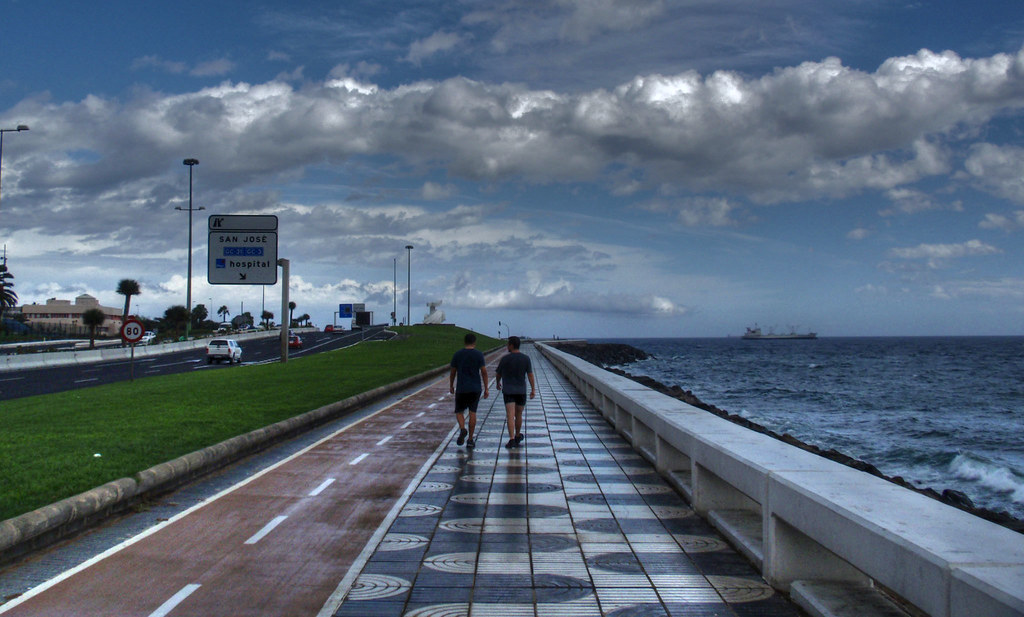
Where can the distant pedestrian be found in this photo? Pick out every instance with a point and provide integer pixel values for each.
(513, 369)
(469, 365)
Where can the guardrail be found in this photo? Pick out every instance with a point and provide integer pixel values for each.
(16, 362)
(834, 538)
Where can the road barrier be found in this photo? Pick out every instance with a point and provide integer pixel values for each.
(829, 535)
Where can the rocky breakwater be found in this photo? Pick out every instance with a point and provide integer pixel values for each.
(611, 355)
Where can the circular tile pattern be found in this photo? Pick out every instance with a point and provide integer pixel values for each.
(434, 487)
(700, 544)
(377, 586)
(551, 543)
(452, 563)
(652, 489)
(470, 498)
(625, 563)
(639, 610)
(736, 590)
(465, 525)
(440, 610)
(603, 525)
(671, 512)
(591, 498)
(401, 542)
(445, 469)
(420, 509)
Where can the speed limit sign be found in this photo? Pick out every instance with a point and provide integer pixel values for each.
(132, 330)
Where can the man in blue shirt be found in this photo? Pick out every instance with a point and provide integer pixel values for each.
(514, 368)
(470, 366)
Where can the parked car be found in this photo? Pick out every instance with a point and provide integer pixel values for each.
(220, 349)
(294, 342)
(224, 328)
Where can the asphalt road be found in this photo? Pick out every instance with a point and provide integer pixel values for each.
(18, 384)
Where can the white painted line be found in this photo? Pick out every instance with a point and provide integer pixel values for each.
(12, 379)
(406, 425)
(334, 602)
(421, 414)
(87, 380)
(262, 533)
(431, 406)
(385, 440)
(359, 458)
(175, 600)
(320, 489)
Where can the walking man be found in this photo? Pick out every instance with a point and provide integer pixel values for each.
(469, 365)
(514, 368)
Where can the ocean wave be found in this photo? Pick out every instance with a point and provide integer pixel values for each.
(989, 474)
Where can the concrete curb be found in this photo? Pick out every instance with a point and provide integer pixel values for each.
(39, 528)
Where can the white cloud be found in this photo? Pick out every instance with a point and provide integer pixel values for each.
(936, 253)
(1011, 222)
(433, 191)
(697, 211)
(858, 234)
(156, 62)
(433, 44)
(588, 18)
(213, 68)
(998, 169)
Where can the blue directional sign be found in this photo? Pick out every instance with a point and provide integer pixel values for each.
(345, 310)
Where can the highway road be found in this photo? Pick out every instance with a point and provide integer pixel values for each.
(18, 384)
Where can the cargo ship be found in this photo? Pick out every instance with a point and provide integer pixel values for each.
(755, 333)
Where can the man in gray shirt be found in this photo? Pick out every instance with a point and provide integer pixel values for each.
(470, 367)
(514, 368)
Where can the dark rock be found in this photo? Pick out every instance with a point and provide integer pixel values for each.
(958, 499)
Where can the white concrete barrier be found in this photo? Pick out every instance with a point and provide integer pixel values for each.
(827, 534)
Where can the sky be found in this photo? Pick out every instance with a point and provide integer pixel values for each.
(572, 168)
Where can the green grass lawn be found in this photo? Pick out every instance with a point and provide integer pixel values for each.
(48, 443)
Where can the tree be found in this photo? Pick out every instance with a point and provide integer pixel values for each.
(8, 299)
(93, 318)
(128, 288)
(291, 313)
(199, 313)
(245, 318)
(267, 316)
(304, 318)
(223, 312)
(175, 317)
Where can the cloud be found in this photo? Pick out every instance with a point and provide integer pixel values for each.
(433, 191)
(588, 18)
(697, 211)
(998, 170)
(1011, 222)
(1006, 288)
(211, 68)
(935, 254)
(858, 234)
(912, 201)
(433, 44)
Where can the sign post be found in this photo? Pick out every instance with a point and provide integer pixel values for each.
(131, 333)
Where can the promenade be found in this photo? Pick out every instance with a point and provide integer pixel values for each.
(389, 517)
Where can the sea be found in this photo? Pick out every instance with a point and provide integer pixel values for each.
(942, 412)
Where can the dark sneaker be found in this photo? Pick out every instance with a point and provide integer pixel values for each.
(519, 438)
(470, 443)
(462, 437)
(511, 443)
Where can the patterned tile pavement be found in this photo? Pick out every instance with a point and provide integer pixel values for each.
(572, 523)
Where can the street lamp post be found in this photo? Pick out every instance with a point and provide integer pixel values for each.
(394, 294)
(408, 287)
(21, 127)
(188, 324)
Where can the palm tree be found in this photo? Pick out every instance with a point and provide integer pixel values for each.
(128, 288)
(304, 318)
(93, 318)
(8, 299)
(175, 318)
(223, 312)
(291, 313)
(267, 316)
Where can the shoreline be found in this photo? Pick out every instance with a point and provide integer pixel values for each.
(609, 355)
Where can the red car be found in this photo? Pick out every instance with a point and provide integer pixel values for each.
(294, 342)
(328, 328)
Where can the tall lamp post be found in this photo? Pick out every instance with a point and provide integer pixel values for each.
(394, 295)
(408, 287)
(21, 127)
(190, 163)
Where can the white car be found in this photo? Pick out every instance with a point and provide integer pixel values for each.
(220, 349)
(147, 338)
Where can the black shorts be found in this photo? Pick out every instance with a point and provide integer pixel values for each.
(466, 400)
(518, 399)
